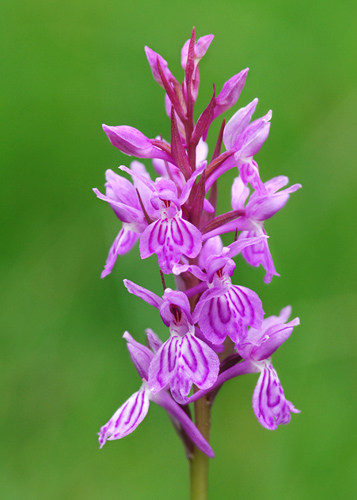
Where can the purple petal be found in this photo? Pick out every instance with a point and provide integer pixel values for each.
(132, 142)
(273, 185)
(153, 340)
(249, 172)
(126, 419)
(254, 136)
(213, 246)
(163, 366)
(217, 320)
(197, 364)
(269, 403)
(140, 355)
(259, 254)
(228, 314)
(240, 194)
(180, 362)
(230, 93)
(149, 297)
(124, 212)
(170, 239)
(261, 343)
(200, 48)
(237, 246)
(120, 189)
(263, 207)
(152, 60)
(276, 335)
(237, 124)
(195, 270)
(123, 243)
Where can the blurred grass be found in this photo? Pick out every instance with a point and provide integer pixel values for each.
(67, 67)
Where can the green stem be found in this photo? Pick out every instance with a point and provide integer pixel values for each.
(199, 461)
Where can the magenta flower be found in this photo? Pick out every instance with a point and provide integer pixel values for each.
(127, 418)
(225, 309)
(269, 403)
(259, 208)
(170, 236)
(123, 198)
(184, 359)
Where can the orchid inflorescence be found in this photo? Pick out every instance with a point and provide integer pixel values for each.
(217, 330)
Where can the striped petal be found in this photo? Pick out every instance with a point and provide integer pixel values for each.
(229, 313)
(269, 403)
(259, 254)
(181, 362)
(163, 366)
(170, 239)
(126, 419)
(197, 364)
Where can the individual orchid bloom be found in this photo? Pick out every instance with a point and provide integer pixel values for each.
(269, 403)
(132, 142)
(228, 96)
(243, 140)
(184, 359)
(127, 418)
(224, 309)
(259, 208)
(123, 198)
(170, 236)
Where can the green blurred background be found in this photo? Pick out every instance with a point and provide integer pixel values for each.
(68, 66)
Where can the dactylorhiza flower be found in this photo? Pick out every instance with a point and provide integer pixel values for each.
(215, 329)
(184, 359)
(269, 403)
(126, 419)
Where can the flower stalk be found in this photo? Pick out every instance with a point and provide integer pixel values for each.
(199, 462)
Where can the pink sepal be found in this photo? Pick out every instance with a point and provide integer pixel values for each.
(144, 294)
(152, 60)
(126, 419)
(269, 403)
(230, 93)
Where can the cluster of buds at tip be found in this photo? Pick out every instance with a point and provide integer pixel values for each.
(216, 329)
